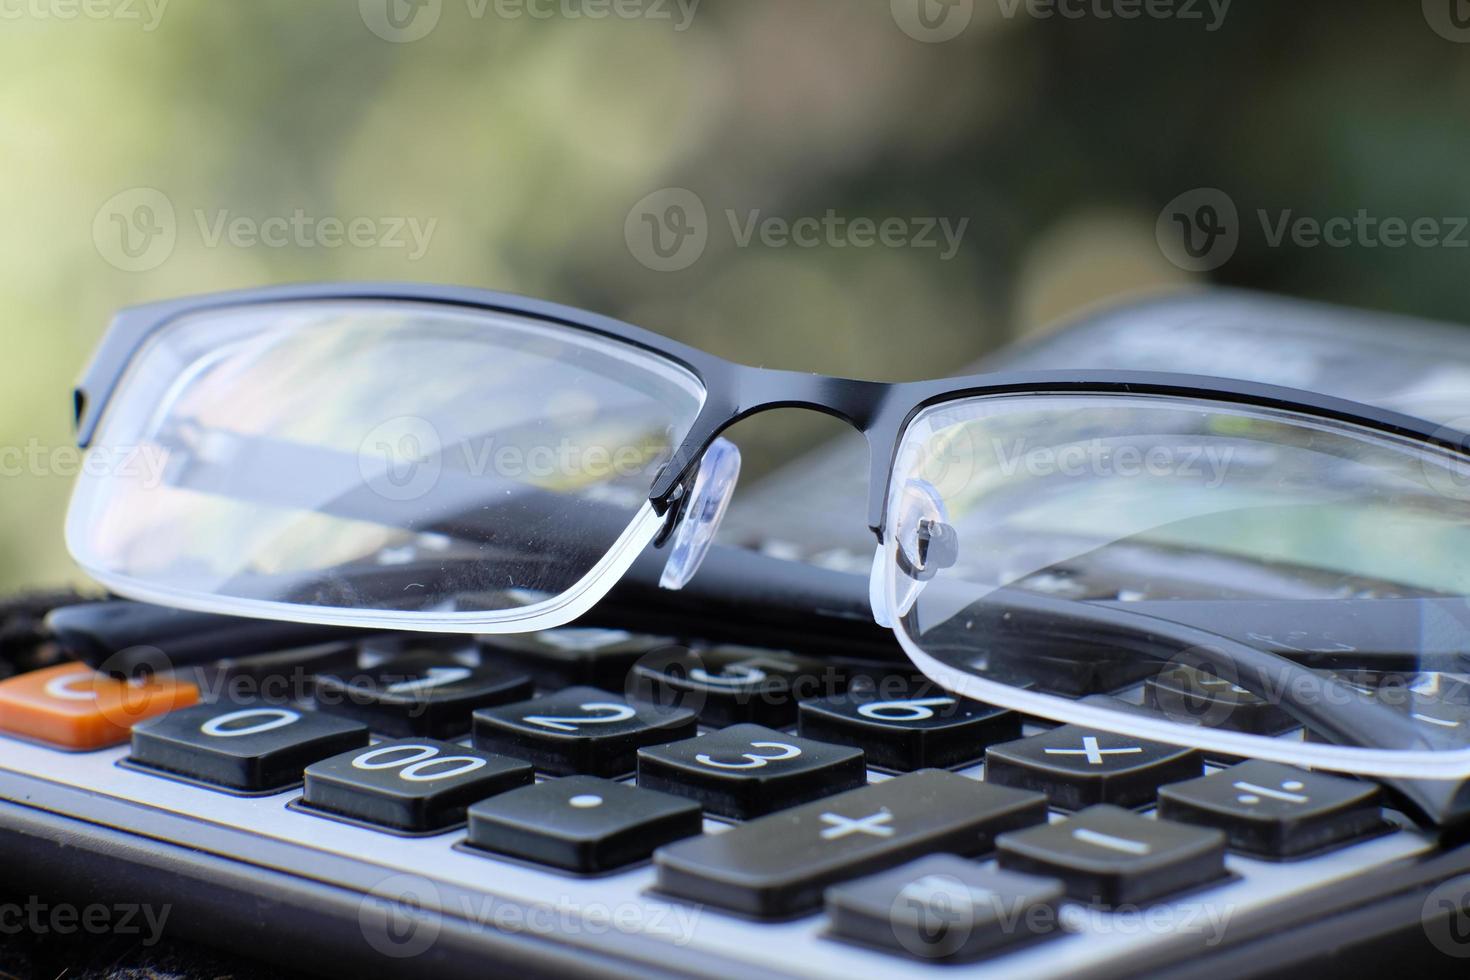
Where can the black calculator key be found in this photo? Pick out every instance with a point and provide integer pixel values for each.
(945, 908)
(1078, 767)
(250, 748)
(1188, 695)
(778, 865)
(295, 668)
(1443, 687)
(1043, 665)
(415, 785)
(1276, 811)
(581, 823)
(731, 685)
(572, 656)
(746, 770)
(580, 730)
(1111, 856)
(421, 697)
(907, 726)
(1442, 723)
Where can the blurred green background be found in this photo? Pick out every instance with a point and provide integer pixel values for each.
(520, 136)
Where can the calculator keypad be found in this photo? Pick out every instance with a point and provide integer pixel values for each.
(913, 866)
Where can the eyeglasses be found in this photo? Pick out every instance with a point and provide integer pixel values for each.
(440, 459)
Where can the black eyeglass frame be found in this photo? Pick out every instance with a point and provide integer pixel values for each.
(881, 411)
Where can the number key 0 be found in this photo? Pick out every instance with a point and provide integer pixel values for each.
(251, 748)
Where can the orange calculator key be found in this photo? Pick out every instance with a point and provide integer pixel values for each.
(74, 707)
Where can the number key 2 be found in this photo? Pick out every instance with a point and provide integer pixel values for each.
(580, 730)
(748, 770)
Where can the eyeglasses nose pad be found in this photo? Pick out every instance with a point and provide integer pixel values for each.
(875, 588)
(713, 487)
(925, 542)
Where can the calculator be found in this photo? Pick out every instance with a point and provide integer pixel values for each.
(591, 801)
(694, 787)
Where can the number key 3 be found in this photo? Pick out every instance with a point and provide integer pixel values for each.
(748, 770)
